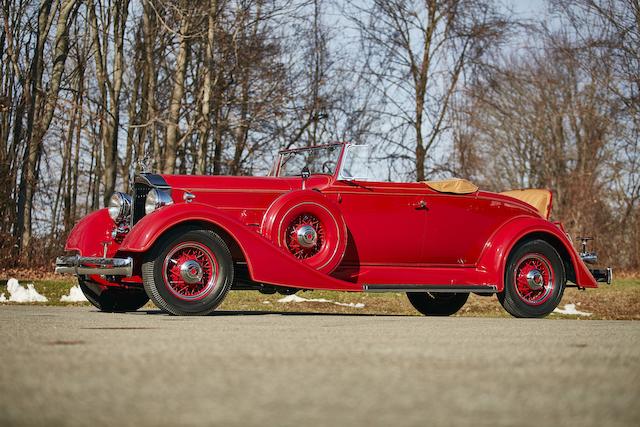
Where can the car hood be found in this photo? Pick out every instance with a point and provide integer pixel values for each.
(241, 183)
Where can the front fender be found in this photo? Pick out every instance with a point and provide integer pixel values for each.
(90, 233)
(497, 249)
(266, 262)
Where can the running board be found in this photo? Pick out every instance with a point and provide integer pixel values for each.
(429, 288)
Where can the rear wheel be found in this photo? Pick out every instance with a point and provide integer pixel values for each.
(112, 299)
(437, 304)
(188, 273)
(534, 280)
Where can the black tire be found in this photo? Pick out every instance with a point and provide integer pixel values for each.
(177, 296)
(112, 300)
(437, 304)
(519, 298)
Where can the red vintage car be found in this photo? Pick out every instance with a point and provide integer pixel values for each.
(316, 222)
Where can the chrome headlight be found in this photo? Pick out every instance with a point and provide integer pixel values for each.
(119, 206)
(156, 199)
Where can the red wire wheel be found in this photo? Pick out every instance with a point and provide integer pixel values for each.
(305, 236)
(309, 227)
(190, 271)
(534, 279)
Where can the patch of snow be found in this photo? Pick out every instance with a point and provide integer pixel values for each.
(18, 293)
(571, 309)
(266, 302)
(350, 304)
(296, 298)
(75, 295)
(2, 298)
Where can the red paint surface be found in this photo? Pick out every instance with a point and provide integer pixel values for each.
(396, 233)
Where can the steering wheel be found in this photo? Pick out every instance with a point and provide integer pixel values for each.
(328, 166)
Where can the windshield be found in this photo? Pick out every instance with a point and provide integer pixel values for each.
(319, 160)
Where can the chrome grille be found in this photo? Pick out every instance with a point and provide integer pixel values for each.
(140, 192)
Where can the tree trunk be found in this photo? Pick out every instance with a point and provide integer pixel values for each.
(171, 143)
(71, 195)
(149, 114)
(205, 118)
(110, 87)
(134, 118)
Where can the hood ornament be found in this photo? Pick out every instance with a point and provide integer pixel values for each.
(143, 164)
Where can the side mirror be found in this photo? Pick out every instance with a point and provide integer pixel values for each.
(305, 174)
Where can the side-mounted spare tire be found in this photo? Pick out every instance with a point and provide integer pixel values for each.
(308, 226)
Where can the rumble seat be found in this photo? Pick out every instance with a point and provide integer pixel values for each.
(539, 199)
(452, 186)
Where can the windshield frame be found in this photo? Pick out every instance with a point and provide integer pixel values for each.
(282, 155)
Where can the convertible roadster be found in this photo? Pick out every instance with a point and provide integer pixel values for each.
(317, 222)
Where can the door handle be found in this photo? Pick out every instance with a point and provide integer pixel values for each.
(421, 204)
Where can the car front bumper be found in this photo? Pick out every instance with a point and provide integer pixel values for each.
(92, 265)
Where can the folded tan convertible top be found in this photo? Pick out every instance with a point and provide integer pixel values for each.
(454, 186)
(538, 198)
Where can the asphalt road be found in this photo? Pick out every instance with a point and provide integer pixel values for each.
(75, 366)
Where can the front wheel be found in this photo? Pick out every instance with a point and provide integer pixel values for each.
(437, 304)
(188, 273)
(534, 280)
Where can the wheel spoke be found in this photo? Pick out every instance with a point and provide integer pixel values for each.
(292, 241)
(533, 279)
(189, 270)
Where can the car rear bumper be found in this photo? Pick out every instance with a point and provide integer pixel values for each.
(603, 275)
(92, 265)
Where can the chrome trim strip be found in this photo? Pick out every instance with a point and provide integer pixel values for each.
(429, 288)
(92, 265)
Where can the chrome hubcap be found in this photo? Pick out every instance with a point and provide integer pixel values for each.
(307, 236)
(191, 272)
(535, 280)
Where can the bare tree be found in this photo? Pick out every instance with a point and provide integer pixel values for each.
(541, 120)
(111, 26)
(172, 136)
(419, 51)
(41, 104)
(88, 88)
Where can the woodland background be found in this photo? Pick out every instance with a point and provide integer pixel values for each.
(438, 88)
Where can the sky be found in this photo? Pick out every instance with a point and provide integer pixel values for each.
(527, 8)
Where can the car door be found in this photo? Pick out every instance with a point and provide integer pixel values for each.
(459, 225)
(386, 222)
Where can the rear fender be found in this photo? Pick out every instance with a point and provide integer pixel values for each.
(497, 249)
(266, 262)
